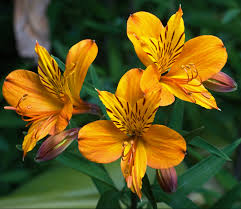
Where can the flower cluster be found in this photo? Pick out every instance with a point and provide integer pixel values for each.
(174, 68)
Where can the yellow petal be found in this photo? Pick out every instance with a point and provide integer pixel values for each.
(101, 141)
(38, 130)
(129, 86)
(207, 53)
(192, 91)
(150, 82)
(78, 60)
(24, 89)
(63, 117)
(143, 24)
(49, 72)
(139, 168)
(133, 165)
(165, 148)
(171, 41)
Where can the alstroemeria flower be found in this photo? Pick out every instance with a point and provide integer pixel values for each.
(176, 67)
(48, 99)
(130, 133)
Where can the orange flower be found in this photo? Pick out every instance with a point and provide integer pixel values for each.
(177, 68)
(130, 133)
(48, 99)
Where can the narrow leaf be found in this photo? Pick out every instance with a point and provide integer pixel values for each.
(201, 143)
(59, 62)
(109, 199)
(94, 77)
(177, 115)
(91, 169)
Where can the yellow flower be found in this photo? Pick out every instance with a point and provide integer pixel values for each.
(130, 133)
(176, 67)
(48, 99)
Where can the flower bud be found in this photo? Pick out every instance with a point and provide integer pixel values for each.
(220, 82)
(56, 144)
(167, 179)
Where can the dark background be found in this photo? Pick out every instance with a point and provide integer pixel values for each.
(105, 22)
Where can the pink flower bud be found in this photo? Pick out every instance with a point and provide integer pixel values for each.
(220, 82)
(56, 144)
(167, 179)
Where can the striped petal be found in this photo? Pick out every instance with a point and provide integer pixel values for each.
(49, 73)
(23, 90)
(143, 24)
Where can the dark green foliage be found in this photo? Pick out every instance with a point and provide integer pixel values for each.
(207, 131)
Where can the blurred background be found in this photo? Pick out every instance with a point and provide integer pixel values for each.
(60, 24)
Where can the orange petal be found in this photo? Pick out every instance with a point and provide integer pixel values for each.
(129, 86)
(207, 53)
(101, 141)
(78, 60)
(143, 24)
(63, 117)
(192, 91)
(150, 82)
(139, 168)
(165, 148)
(49, 72)
(133, 165)
(38, 130)
(24, 89)
(117, 108)
(171, 41)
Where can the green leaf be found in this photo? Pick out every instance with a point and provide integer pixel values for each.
(200, 173)
(90, 89)
(59, 62)
(201, 143)
(228, 199)
(109, 199)
(91, 169)
(177, 115)
(94, 77)
(161, 196)
(194, 178)
(191, 134)
(148, 192)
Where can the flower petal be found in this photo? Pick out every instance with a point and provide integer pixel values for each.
(101, 141)
(63, 117)
(165, 148)
(139, 168)
(143, 24)
(133, 165)
(38, 130)
(49, 72)
(171, 41)
(192, 91)
(78, 60)
(206, 52)
(24, 89)
(150, 82)
(116, 108)
(129, 86)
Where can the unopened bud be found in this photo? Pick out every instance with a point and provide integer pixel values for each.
(220, 82)
(56, 144)
(167, 179)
